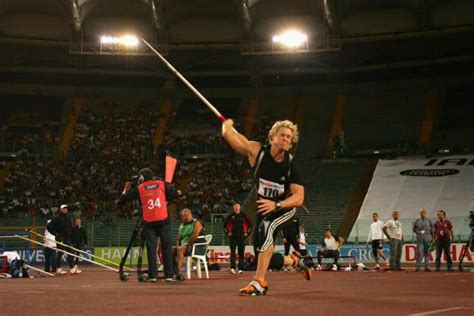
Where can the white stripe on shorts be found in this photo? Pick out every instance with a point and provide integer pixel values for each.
(274, 224)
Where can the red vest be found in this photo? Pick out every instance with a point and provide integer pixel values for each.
(153, 198)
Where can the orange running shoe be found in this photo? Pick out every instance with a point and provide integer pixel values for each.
(254, 288)
(298, 264)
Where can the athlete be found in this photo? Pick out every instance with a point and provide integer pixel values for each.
(280, 191)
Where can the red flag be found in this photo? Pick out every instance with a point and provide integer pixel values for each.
(170, 167)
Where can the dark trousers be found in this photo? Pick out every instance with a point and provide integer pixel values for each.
(291, 241)
(49, 259)
(77, 253)
(328, 254)
(59, 257)
(152, 231)
(239, 243)
(443, 245)
(395, 253)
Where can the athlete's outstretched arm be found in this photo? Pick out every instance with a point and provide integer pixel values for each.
(239, 142)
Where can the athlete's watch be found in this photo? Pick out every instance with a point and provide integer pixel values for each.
(278, 205)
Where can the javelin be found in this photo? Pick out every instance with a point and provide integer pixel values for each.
(60, 250)
(186, 82)
(38, 270)
(305, 208)
(75, 249)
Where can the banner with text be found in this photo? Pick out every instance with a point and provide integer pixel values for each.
(409, 184)
(221, 254)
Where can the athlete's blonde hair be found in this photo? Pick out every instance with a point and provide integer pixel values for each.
(287, 124)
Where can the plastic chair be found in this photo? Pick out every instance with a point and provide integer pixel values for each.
(199, 253)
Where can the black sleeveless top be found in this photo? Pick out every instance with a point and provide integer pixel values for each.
(273, 178)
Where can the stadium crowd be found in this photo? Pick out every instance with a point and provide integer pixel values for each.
(109, 148)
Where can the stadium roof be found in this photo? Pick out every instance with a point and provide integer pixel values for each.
(231, 37)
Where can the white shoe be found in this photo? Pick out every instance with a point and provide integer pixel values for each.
(240, 272)
(60, 271)
(334, 267)
(377, 267)
(72, 271)
(318, 267)
(78, 271)
(232, 271)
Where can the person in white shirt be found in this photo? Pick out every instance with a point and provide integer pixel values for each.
(302, 241)
(329, 249)
(376, 235)
(49, 252)
(393, 230)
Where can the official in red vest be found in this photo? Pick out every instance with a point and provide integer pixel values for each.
(153, 194)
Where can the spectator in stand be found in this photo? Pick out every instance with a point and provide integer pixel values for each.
(444, 235)
(107, 145)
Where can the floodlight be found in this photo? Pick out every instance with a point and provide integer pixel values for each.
(291, 39)
(125, 40)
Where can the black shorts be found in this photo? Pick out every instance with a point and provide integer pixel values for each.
(199, 250)
(376, 244)
(269, 226)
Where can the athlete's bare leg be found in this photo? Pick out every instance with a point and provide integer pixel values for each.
(263, 263)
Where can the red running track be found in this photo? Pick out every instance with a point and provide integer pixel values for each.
(98, 292)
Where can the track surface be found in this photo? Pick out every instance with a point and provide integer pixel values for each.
(97, 292)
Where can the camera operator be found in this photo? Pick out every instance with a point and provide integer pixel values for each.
(153, 194)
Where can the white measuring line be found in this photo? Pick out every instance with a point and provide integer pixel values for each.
(437, 311)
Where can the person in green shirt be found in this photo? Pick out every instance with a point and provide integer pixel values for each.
(189, 232)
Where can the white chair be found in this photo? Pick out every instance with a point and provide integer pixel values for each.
(199, 253)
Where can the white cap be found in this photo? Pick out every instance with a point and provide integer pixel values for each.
(63, 206)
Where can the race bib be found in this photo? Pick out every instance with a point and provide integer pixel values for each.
(270, 189)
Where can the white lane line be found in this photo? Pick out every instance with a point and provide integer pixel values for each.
(21, 292)
(437, 311)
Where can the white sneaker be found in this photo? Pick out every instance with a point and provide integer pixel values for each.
(60, 271)
(240, 272)
(334, 267)
(72, 271)
(78, 271)
(318, 267)
(232, 271)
